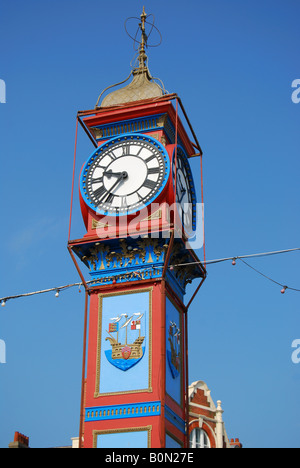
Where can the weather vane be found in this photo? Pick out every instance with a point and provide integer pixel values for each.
(143, 32)
(140, 36)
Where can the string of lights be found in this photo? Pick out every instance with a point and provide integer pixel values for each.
(284, 287)
(238, 257)
(241, 258)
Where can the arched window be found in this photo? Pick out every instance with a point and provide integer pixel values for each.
(199, 439)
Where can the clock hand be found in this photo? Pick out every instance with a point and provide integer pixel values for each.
(183, 192)
(181, 186)
(110, 173)
(123, 176)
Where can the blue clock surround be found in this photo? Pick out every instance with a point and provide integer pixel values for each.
(106, 145)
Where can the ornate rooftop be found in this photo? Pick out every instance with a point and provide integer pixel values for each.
(142, 85)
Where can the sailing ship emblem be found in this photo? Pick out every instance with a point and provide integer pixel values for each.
(174, 352)
(125, 355)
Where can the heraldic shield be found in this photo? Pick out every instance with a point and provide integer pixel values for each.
(173, 350)
(126, 340)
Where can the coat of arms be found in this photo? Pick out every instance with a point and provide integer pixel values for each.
(173, 353)
(125, 354)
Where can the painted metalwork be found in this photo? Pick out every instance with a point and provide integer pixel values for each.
(136, 410)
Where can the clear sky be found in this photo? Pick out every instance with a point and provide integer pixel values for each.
(232, 63)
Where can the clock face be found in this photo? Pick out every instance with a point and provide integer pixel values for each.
(185, 191)
(125, 174)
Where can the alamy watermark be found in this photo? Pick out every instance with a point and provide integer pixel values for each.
(296, 93)
(186, 218)
(2, 352)
(2, 92)
(296, 353)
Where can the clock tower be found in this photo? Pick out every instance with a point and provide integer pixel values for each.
(139, 207)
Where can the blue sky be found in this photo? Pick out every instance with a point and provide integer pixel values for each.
(232, 63)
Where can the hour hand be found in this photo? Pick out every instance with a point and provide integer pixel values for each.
(183, 192)
(110, 173)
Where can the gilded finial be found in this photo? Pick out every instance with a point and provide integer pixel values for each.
(144, 39)
(143, 85)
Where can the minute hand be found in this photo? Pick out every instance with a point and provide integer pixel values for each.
(123, 176)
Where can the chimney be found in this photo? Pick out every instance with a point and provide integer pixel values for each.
(20, 441)
(235, 443)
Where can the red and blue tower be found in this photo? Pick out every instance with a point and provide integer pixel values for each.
(139, 206)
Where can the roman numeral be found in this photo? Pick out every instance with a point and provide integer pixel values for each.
(126, 150)
(153, 170)
(149, 184)
(150, 158)
(123, 202)
(100, 191)
(110, 198)
(179, 162)
(97, 180)
(112, 156)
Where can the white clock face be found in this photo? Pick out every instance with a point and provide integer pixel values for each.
(185, 197)
(124, 175)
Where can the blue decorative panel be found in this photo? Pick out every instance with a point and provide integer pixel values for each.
(123, 439)
(124, 342)
(174, 336)
(145, 124)
(149, 123)
(137, 410)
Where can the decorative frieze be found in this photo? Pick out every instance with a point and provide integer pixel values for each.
(127, 260)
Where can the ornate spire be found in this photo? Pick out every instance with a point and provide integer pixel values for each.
(142, 85)
(144, 39)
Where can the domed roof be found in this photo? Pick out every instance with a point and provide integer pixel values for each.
(140, 88)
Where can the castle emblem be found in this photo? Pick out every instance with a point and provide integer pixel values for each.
(174, 350)
(125, 354)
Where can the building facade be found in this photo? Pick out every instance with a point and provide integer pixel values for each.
(206, 425)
